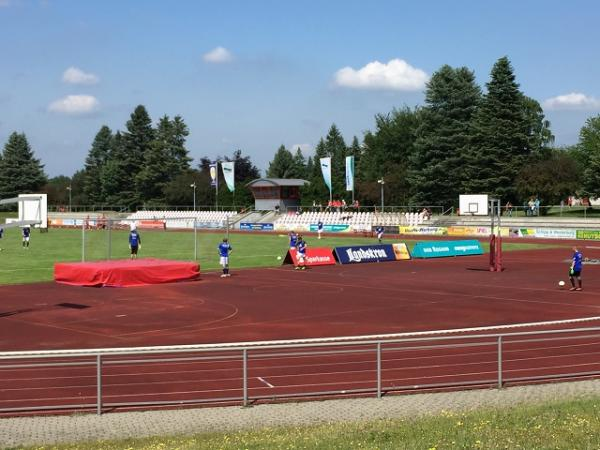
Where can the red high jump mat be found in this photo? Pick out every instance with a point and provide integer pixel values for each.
(123, 273)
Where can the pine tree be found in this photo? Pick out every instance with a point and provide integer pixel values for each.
(335, 147)
(299, 165)
(94, 164)
(317, 190)
(501, 136)
(137, 141)
(20, 171)
(282, 164)
(115, 175)
(441, 148)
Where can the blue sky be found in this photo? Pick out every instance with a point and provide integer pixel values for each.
(257, 74)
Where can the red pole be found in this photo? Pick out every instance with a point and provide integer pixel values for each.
(492, 253)
(499, 253)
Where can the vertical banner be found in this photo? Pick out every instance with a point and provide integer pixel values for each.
(229, 174)
(350, 173)
(213, 173)
(326, 169)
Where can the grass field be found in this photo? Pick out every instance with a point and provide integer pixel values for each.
(570, 424)
(19, 265)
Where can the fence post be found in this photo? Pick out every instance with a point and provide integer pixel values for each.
(500, 382)
(379, 370)
(195, 241)
(82, 241)
(99, 384)
(109, 227)
(245, 375)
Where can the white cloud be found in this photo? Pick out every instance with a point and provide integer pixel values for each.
(218, 55)
(574, 100)
(74, 105)
(396, 75)
(73, 75)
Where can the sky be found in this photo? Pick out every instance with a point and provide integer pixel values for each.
(253, 75)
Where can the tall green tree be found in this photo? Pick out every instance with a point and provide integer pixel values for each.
(137, 141)
(335, 147)
(115, 175)
(317, 190)
(437, 172)
(20, 171)
(94, 164)
(589, 146)
(282, 165)
(502, 141)
(299, 165)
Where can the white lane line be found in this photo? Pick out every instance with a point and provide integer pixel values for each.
(264, 381)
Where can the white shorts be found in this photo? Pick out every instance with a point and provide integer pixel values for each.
(300, 257)
(224, 261)
(379, 235)
(26, 239)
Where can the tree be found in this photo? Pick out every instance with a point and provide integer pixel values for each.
(282, 165)
(317, 190)
(137, 141)
(115, 175)
(94, 164)
(335, 147)
(299, 165)
(502, 136)
(589, 145)
(20, 171)
(552, 178)
(437, 169)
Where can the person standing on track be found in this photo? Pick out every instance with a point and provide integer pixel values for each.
(135, 243)
(224, 250)
(26, 231)
(379, 231)
(293, 240)
(575, 270)
(301, 254)
(320, 228)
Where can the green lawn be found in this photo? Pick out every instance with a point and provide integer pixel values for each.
(19, 265)
(572, 424)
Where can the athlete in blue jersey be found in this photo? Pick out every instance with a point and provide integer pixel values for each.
(320, 228)
(293, 240)
(26, 231)
(575, 270)
(301, 253)
(379, 231)
(224, 250)
(135, 243)
(1, 233)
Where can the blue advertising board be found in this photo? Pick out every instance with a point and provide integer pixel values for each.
(365, 253)
(438, 249)
(335, 228)
(256, 226)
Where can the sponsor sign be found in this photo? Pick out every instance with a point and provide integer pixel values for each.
(555, 233)
(592, 235)
(468, 231)
(256, 226)
(446, 248)
(365, 253)
(335, 228)
(291, 227)
(315, 256)
(401, 251)
(431, 231)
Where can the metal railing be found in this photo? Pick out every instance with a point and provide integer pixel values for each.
(244, 373)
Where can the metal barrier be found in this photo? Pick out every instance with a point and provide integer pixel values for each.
(244, 373)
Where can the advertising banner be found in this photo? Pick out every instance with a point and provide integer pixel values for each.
(326, 170)
(315, 256)
(213, 173)
(291, 227)
(401, 251)
(151, 224)
(349, 173)
(446, 248)
(468, 231)
(430, 231)
(592, 235)
(331, 228)
(256, 226)
(365, 254)
(229, 174)
(555, 233)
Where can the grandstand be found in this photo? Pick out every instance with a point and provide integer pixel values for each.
(358, 221)
(181, 219)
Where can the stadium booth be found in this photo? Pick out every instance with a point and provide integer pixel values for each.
(276, 194)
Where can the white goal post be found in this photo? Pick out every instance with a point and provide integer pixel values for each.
(33, 210)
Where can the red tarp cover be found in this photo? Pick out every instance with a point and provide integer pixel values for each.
(123, 273)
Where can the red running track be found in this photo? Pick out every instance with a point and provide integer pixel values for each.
(279, 303)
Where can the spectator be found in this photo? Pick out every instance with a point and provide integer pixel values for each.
(536, 205)
(509, 208)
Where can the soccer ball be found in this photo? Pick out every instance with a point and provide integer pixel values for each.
(279, 257)
(561, 283)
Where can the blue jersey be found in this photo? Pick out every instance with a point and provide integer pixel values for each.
(301, 247)
(1, 232)
(577, 261)
(293, 239)
(379, 230)
(320, 226)
(134, 239)
(224, 249)
(26, 232)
